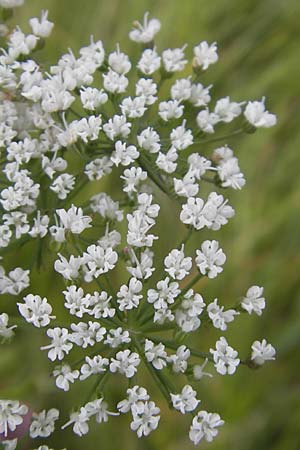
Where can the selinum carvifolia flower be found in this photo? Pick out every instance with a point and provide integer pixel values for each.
(146, 123)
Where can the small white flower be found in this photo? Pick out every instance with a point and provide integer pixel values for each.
(181, 89)
(63, 185)
(198, 371)
(93, 366)
(218, 316)
(145, 32)
(227, 110)
(187, 187)
(133, 107)
(92, 98)
(14, 282)
(11, 415)
(179, 360)
(129, 296)
(74, 220)
(166, 161)
(225, 357)
(173, 59)
(98, 260)
(116, 337)
(97, 168)
(86, 334)
(230, 174)
(124, 154)
(117, 126)
(205, 426)
(119, 61)
(36, 310)
(164, 295)
(146, 88)
(43, 423)
(210, 259)
(177, 265)
(198, 165)
(42, 27)
(68, 269)
(98, 409)
(186, 401)
(75, 301)
(135, 394)
(181, 138)
(126, 363)
(257, 115)
(262, 351)
(99, 305)
(206, 121)
(114, 82)
(205, 55)
(60, 345)
(143, 268)
(6, 332)
(156, 354)
(170, 110)
(145, 417)
(253, 301)
(149, 61)
(149, 140)
(80, 422)
(132, 178)
(200, 95)
(11, 3)
(64, 375)
(187, 315)
(106, 207)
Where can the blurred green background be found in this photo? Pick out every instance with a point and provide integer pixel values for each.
(259, 46)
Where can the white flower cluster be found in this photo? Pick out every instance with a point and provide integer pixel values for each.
(83, 112)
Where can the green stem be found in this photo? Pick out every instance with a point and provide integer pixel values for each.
(159, 379)
(191, 284)
(221, 138)
(99, 384)
(173, 346)
(145, 164)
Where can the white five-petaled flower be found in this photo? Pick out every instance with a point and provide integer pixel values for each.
(218, 316)
(205, 55)
(60, 345)
(186, 401)
(225, 357)
(145, 417)
(12, 414)
(205, 426)
(177, 265)
(64, 375)
(145, 32)
(43, 423)
(253, 301)
(261, 352)
(125, 362)
(210, 259)
(36, 310)
(257, 115)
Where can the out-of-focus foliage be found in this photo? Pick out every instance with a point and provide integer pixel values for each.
(259, 44)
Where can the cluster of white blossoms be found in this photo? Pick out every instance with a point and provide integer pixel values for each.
(71, 125)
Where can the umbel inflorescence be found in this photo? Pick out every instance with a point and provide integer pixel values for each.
(112, 114)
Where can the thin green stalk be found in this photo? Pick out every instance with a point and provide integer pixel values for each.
(221, 138)
(99, 384)
(160, 381)
(173, 346)
(191, 283)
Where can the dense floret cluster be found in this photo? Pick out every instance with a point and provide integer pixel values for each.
(144, 123)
